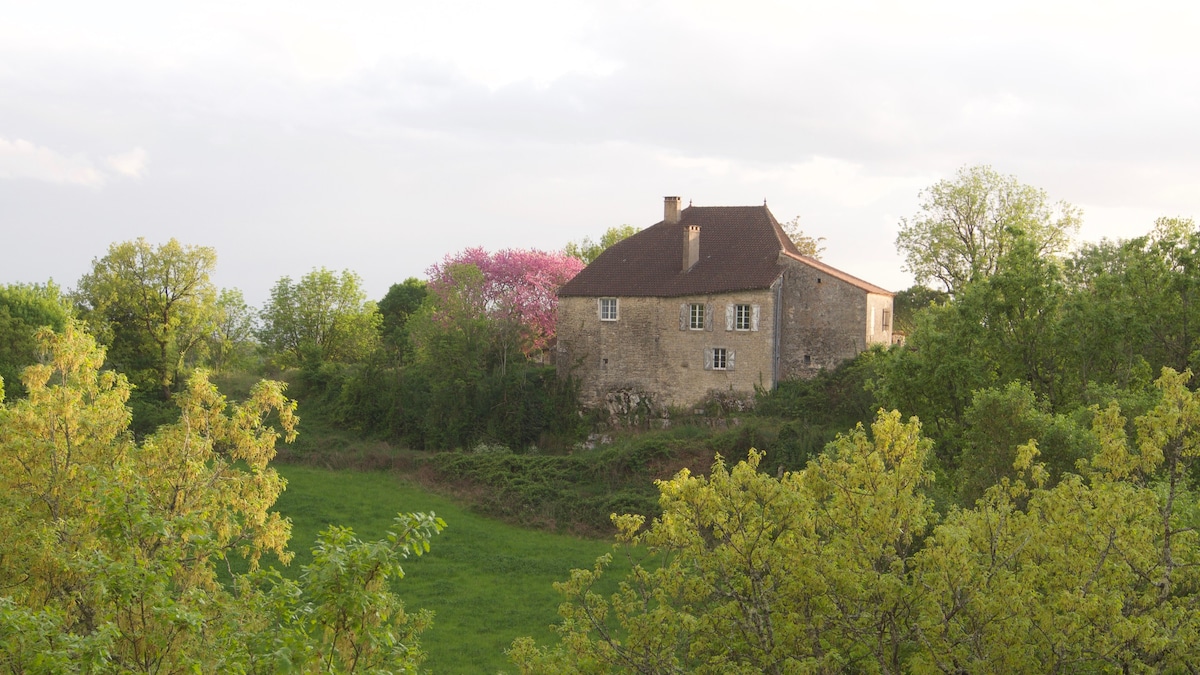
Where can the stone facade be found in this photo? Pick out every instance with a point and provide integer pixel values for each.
(629, 322)
(645, 349)
(827, 320)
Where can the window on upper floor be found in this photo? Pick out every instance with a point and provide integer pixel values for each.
(887, 319)
(741, 317)
(695, 316)
(608, 309)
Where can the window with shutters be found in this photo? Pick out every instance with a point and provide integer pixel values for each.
(887, 319)
(696, 316)
(741, 317)
(608, 309)
(718, 358)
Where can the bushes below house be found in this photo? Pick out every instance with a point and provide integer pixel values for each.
(526, 405)
(811, 413)
(581, 490)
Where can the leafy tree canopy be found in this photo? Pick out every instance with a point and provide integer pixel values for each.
(24, 309)
(966, 225)
(325, 317)
(153, 307)
(395, 309)
(845, 567)
(109, 548)
(231, 341)
(587, 250)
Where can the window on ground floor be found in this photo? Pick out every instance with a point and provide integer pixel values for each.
(718, 358)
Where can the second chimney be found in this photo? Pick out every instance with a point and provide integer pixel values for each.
(670, 209)
(691, 246)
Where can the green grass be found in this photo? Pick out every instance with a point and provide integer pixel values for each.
(487, 582)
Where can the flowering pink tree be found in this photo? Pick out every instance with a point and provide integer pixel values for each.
(519, 288)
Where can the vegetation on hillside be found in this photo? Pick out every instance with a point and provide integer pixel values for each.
(1012, 489)
(110, 547)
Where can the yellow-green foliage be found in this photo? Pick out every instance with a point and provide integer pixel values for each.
(842, 567)
(109, 548)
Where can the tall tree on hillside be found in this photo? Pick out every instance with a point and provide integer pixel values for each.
(966, 225)
(323, 317)
(587, 250)
(152, 306)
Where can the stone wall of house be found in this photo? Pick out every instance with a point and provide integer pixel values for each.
(825, 321)
(645, 350)
(879, 319)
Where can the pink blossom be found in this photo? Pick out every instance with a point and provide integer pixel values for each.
(520, 286)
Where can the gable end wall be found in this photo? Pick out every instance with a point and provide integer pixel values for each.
(825, 321)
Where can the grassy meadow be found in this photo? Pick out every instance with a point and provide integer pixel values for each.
(487, 582)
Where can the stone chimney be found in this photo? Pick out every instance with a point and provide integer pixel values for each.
(670, 209)
(691, 246)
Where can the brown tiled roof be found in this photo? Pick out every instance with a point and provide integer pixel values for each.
(739, 250)
(838, 274)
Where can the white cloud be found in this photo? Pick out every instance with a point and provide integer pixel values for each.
(22, 159)
(132, 163)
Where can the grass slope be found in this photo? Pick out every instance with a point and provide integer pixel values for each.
(487, 582)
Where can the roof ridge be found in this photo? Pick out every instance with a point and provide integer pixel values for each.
(836, 273)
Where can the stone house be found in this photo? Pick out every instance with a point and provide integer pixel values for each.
(711, 299)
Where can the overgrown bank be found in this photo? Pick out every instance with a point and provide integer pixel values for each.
(577, 487)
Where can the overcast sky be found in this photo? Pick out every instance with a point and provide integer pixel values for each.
(381, 136)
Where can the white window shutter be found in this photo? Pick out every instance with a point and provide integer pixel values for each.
(754, 317)
(729, 317)
(708, 312)
(729, 360)
(600, 308)
(683, 317)
(708, 358)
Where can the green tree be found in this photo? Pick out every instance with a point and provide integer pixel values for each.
(232, 339)
(1097, 574)
(1001, 420)
(841, 568)
(588, 250)
(1002, 328)
(395, 309)
(153, 307)
(748, 573)
(109, 547)
(967, 225)
(324, 318)
(24, 309)
(453, 338)
(911, 300)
